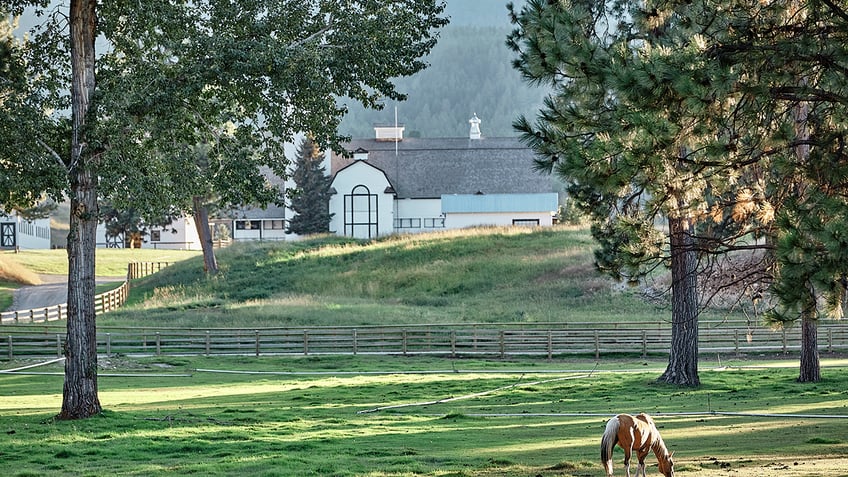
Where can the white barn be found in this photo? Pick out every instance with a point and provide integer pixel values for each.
(391, 184)
(181, 234)
(17, 233)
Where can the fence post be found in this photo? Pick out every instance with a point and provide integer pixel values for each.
(501, 343)
(305, 342)
(784, 341)
(17, 317)
(355, 343)
(597, 345)
(58, 345)
(257, 342)
(453, 343)
(158, 344)
(644, 343)
(11, 354)
(550, 345)
(736, 342)
(830, 340)
(109, 344)
(403, 341)
(208, 342)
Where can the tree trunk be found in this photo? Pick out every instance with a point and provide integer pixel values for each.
(810, 369)
(79, 396)
(682, 367)
(201, 221)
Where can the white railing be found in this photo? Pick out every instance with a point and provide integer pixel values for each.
(103, 303)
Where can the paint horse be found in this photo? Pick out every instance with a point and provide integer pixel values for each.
(638, 434)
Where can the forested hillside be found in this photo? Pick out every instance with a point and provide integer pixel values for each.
(470, 72)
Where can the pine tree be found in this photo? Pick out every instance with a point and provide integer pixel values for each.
(636, 126)
(791, 57)
(311, 199)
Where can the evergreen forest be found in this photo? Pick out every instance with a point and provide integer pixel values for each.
(470, 71)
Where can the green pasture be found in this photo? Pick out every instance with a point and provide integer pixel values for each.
(110, 262)
(490, 275)
(304, 417)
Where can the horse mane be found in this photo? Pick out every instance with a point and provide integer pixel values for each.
(659, 447)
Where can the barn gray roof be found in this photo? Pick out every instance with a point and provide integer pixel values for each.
(430, 167)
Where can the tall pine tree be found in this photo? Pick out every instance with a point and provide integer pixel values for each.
(311, 199)
(636, 126)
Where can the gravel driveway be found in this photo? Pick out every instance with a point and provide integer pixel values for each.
(53, 291)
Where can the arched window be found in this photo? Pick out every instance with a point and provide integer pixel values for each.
(360, 213)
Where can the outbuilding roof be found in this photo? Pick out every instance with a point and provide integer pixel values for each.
(427, 168)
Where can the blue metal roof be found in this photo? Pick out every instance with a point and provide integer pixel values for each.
(491, 203)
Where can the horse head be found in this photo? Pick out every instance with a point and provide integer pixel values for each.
(666, 465)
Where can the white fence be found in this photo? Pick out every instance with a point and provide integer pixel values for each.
(103, 303)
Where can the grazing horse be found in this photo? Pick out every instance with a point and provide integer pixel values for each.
(638, 434)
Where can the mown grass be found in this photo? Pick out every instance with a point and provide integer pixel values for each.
(110, 262)
(491, 275)
(537, 418)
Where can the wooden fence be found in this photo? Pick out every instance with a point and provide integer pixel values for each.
(450, 340)
(482, 340)
(103, 303)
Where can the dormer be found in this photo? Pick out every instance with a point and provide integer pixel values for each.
(389, 133)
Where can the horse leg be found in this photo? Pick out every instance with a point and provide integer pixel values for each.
(627, 454)
(641, 468)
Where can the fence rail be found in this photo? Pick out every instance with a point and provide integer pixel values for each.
(545, 340)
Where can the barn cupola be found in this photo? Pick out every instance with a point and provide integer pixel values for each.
(360, 154)
(475, 127)
(389, 133)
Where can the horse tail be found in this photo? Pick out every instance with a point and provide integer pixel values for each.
(608, 441)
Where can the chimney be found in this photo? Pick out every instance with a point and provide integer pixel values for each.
(475, 128)
(386, 133)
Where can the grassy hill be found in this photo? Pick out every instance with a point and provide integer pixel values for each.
(470, 276)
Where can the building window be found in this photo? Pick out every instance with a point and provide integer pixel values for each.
(361, 213)
(155, 235)
(526, 222)
(248, 224)
(434, 223)
(273, 224)
(407, 223)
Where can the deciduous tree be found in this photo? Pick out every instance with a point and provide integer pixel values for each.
(239, 78)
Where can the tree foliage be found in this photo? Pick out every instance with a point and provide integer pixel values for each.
(311, 201)
(235, 79)
(728, 114)
(639, 126)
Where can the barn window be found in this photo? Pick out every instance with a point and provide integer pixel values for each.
(360, 213)
(526, 222)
